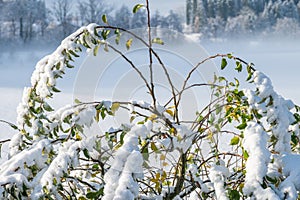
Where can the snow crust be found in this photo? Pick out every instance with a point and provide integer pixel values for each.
(127, 163)
(126, 166)
(276, 110)
(217, 175)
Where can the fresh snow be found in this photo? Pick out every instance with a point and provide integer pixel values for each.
(127, 163)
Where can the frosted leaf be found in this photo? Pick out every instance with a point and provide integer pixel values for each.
(140, 130)
(134, 162)
(91, 28)
(86, 117)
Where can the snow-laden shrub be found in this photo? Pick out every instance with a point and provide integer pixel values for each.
(159, 155)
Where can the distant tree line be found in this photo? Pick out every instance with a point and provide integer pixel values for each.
(226, 18)
(24, 21)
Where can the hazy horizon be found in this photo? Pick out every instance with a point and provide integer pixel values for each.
(162, 6)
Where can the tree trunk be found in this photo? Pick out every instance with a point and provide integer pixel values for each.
(21, 28)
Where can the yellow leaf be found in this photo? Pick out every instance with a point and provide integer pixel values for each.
(96, 49)
(98, 115)
(172, 130)
(132, 118)
(153, 180)
(143, 142)
(190, 157)
(210, 136)
(23, 132)
(43, 151)
(152, 117)
(164, 174)
(129, 43)
(78, 137)
(115, 107)
(153, 146)
(170, 112)
(157, 176)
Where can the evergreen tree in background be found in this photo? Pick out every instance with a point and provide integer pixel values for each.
(25, 21)
(260, 16)
(124, 17)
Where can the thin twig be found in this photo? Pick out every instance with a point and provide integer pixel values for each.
(4, 141)
(156, 56)
(10, 124)
(150, 54)
(132, 65)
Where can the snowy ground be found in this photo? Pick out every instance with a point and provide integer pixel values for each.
(277, 59)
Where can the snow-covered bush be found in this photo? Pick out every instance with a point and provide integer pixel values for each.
(159, 155)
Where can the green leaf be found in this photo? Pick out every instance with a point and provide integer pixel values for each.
(12, 126)
(229, 56)
(54, 89)
(85, 42)
(145, 153)
(233, 194)
(122, 137)
(272, 180)
(118, 37)
(222, 78)
(218, 109)
(86, 153)
(95, 195)
(129, 43)
(117, 31)
(96, 50)
(79, 128)
(237, 82)
(239, 66)
(294, 139)
(200, 118)
(117, 40)
(245, 154)
(153, 146)
(249, 76)
(77, 101)
(24, 188)
(137, 7)
(73, 53)
(103, 115)
(158, 41)
(54, 181)
(104, 19)
(69, 65)
(95, 32)
(223, 64)
(297, 108)
(115, 107)
(297, 117)
(242, 126)
(232, 84)
(235, 140)
(105, 34)
(57, 66)
(99, 106)
(91, 195)
(47, 107)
